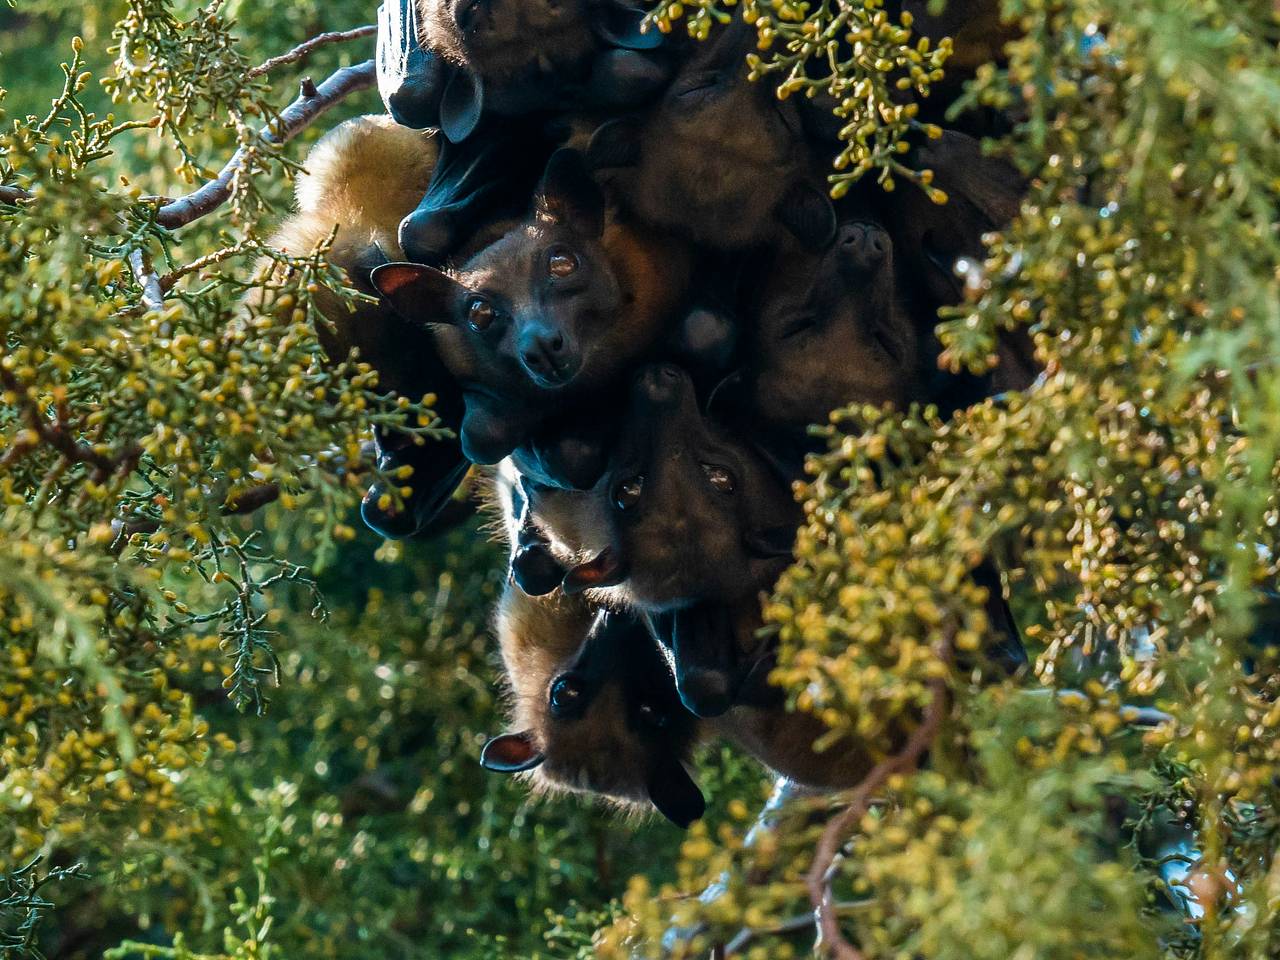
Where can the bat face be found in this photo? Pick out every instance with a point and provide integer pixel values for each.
(720, 157)
(619, 692)
(535, 320)
(690, 505)
(520, 56)
(832, 331)
(730, 140)
(503, 41)
(611, 723)
(537, 308)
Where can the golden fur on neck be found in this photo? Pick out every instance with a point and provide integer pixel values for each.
(362, 178)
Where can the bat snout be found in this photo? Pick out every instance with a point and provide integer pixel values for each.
(862, 246)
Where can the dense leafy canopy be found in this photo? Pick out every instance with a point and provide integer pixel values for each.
(177, 475)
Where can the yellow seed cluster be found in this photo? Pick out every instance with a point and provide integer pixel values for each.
(854, 56)
(1130, 498)
(132, 439)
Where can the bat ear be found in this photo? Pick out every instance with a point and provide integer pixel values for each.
(675, 795)
(461, 105)
(418, 293)
(606, 570)
(563, 458)
(435, 478)
(702, 649)
(619, 24)
(622, 77)
(511, 753)
(569, 195)
(807, 212)
(615, 144)
(487, 436)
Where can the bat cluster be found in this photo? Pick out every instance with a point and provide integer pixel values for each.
(614, 260)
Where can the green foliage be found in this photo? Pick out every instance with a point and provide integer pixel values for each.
(853, 56)
(178, 477)
(1130, 497)
(23, 906)
(137, 438)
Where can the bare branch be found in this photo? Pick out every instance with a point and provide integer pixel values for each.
(293, 119)
(152, 293)
(818, 881)
(13, 194)
(804, 921)
(303, 49)
(255, 498)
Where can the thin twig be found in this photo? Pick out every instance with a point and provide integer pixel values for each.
(208, 260)
(292, 120)
(803, 921)
(59, 434)
(818, 881)
(251, 500)
(302, 49)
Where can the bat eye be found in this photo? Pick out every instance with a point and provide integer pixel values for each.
(652, 716)
(719, 478)
(480, 314)
(562, 263)
(566, 696)
(627, 495)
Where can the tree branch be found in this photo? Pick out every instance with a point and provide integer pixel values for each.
(303, 49)
(818, 881)
(209, 259)
(152, 292)
(296, 117)
(59, 434)
(747, 935)
(13, 194)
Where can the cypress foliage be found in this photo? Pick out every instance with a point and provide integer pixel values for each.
(231, 725)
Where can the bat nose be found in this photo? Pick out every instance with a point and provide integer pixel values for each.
(660, 383)
(548, 357)
(864, 244)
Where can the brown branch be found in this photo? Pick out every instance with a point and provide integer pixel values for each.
(302, 49)
(818, 881)
(13, 194)
(208, 260)
(59, 434)
(292, 120)
(255, 498)
(747, 935)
